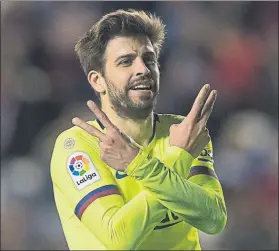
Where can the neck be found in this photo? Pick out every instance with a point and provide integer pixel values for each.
(139, 130)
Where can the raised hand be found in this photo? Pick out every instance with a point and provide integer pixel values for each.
(191, 134)
(117, 151)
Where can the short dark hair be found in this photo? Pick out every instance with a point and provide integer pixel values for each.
(90, 49)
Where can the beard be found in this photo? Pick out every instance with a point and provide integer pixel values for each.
(125, 107)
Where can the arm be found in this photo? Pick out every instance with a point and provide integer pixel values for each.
(198, 200)
(199, 170)
(99, 205)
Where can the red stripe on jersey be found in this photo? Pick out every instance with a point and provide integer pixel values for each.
(94, 195)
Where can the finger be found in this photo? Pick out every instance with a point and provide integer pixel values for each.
(88, 128)
(209, 102)
(100, 114)
(200, 101)
(205, 138)
(208, 107)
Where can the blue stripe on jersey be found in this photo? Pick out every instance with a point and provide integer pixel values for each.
(92, 193)
(195, 170)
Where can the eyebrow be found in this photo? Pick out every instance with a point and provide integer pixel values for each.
(130, 55)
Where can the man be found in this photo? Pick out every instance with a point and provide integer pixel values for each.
(133, 179)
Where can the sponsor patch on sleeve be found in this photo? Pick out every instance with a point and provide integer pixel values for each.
(206, 156)
(82, 170)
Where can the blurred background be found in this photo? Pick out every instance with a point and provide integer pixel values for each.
(231, 45)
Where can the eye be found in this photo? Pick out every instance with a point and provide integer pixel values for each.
(150, 61)
(126, 62)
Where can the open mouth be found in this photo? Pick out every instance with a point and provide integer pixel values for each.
(141, 88)
(145, 85)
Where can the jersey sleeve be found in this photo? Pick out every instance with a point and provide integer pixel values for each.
(91, 191)
(197, 199)
(202, 171)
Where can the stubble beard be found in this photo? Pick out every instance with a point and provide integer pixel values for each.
(125, 107)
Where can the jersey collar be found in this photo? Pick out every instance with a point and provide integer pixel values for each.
(155, 119)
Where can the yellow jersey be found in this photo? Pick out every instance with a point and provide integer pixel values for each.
(159, 203)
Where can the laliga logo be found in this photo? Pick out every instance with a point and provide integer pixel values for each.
(86, 177)
(78, 166)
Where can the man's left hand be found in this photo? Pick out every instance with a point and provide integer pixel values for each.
(117, 151)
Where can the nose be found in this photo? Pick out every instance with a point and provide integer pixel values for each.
(141, 68)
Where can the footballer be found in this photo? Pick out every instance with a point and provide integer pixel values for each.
(132, 179)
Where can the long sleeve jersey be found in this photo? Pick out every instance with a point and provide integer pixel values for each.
(159, 203)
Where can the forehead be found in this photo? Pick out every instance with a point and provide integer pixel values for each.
(122, 45)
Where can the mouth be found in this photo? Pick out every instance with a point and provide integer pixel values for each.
(143, 86)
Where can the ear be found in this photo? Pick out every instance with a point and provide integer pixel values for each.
(96, 81)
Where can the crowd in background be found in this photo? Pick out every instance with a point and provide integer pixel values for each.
(231, 45)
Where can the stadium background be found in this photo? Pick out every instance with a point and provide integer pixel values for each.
(232, 45)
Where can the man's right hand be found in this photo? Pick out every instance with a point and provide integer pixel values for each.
(191, 134)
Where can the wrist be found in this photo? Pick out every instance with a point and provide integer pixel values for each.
(136, 162)
(130, 156)
(180, 153)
